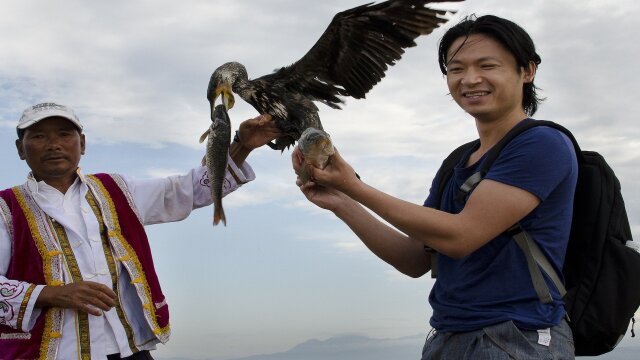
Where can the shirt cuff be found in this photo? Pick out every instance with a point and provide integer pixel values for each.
(242, 174)
(31, 313)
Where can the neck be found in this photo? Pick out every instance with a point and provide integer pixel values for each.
(242, 88)
(492, 130)
(62, 184)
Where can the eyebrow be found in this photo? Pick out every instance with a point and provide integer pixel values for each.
(482, 59)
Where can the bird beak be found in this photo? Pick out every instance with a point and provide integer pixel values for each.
(224, 90)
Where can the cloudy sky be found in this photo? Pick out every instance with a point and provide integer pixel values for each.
(282, 272)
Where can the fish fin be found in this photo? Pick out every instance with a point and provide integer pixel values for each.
(204, 136)
(204, 160)
(218, 215)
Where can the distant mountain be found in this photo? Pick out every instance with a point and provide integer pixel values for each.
(356, 347)
(350, 347)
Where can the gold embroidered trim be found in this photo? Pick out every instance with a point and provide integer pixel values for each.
(161, 304)
(43, 237)
(51, 338)
(23, 306)
(123, 186)
(125, 253)
(5, 213)
(84, 338)
(15, 336)
(113, 271)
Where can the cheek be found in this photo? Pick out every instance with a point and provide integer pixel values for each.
(27, 151)
(452, 84)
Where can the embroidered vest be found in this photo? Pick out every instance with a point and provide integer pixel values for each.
(34, 238)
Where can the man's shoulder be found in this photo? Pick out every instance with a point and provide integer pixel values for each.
(104, 176)
(4, 193)
(110, 182)
(540, 139)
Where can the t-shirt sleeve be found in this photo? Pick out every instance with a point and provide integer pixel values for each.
(431, 198)
(536, 161)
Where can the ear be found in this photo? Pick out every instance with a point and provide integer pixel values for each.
(529, 72)
(20, 149)
(82, 144)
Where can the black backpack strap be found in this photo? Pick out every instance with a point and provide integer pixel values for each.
(473, 180)
(446, 169)
(493, 153)
(444, 174)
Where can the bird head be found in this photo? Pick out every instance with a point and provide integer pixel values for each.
(222, 82)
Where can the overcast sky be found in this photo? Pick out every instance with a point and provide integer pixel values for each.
(281, 271)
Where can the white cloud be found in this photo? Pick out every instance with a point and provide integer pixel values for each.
(137, 72)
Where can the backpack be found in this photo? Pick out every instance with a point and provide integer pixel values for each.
(602, 263)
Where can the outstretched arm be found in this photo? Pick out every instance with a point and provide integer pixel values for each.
(492, 208)
(407, 255)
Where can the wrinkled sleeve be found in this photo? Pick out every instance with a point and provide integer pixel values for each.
(172, 198)
(17, 303)
(17, 298)
(536, 161)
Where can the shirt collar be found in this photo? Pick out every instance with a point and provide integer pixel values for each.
(36, 186)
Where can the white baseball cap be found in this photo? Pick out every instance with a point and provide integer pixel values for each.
(35, 113)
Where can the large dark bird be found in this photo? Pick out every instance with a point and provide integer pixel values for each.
(350, 57)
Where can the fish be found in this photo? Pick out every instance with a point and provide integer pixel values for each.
(317, 148)
(216, 158)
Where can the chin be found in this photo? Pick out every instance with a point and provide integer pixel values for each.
(479, 114)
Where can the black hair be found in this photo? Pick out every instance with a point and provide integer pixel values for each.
(514, 39)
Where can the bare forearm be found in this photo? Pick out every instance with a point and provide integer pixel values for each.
(491, 209)
(238, 152)
(400, 251)
(430, 227)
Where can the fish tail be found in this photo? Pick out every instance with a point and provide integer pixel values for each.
(218, 214)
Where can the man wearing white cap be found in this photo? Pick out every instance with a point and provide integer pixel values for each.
(77, 280)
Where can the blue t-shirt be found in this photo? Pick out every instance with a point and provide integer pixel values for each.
(493, 284)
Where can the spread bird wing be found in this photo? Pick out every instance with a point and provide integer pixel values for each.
(356, 49)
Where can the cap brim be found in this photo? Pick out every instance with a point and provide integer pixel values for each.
(47, 115)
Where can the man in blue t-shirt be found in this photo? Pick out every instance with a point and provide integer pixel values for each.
(484, 303)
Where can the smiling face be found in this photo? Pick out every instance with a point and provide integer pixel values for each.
(484, 79)
(52, 148)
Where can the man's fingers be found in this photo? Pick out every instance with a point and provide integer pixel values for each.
(102, 304)
(94, 298)
(90, 309)
(106, 299)
(96, 303)
(102, 289)
(336, 154)
(262, 119)
(296, 159)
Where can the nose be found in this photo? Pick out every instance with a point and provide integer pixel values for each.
(54, 142)
(471, 77)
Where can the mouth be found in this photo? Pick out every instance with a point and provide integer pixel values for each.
(475, 94)
(55, 158)
(224, 91)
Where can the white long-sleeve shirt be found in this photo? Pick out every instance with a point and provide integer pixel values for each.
(157, 200)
